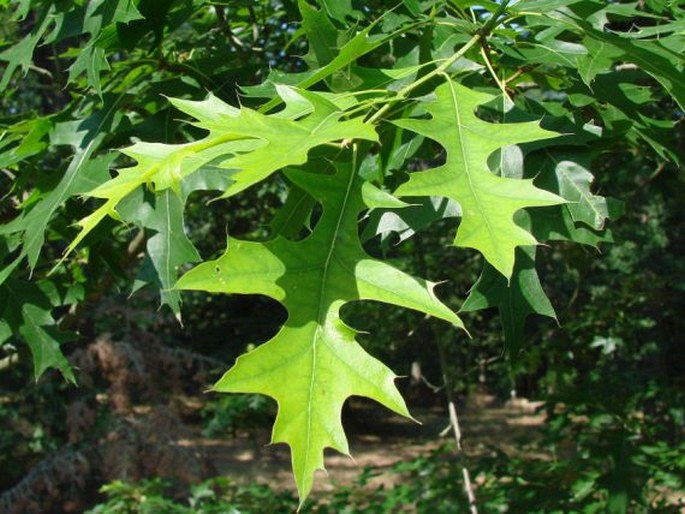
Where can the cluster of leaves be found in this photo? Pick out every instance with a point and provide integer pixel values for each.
(495, 115)
(215, 496)
(236, 412)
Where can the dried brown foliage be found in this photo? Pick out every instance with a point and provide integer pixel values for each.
(123, 424)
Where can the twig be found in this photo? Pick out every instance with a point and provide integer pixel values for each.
(478, 36)
(447, 384)
(225, 27)
(456, 428)
(468, 485)
(488, 64)
(9, 361)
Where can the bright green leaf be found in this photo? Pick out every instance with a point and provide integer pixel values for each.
(315, 353)
(488, 202)
(251, 143)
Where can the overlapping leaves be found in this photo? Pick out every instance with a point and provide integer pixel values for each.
(315, 353)
(252, 144)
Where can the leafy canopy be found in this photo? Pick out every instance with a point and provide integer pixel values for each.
(490, 114)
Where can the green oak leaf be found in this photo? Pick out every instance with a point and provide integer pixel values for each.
(488, 202)
(627, 101)
(361, 44)
(85, 172)
(314, 363)
(662, 60)
(665, 65)
(556, 224)
(23, 140)
(516, 299)
(322, 35)
(92, 61)
(548, 51)
(99, 20)
(168, 246)
(340, 9)
(294, 215)
(407, 221)
(25, 309)
(21, 54)
(568, 175)
(252, 144)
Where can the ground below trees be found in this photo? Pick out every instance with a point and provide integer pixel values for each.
(377, 438)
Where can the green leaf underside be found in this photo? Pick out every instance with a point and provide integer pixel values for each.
(314, 363)
(488, 202)
(168, 247)
(252, 144)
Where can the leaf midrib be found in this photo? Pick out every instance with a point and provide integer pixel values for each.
(467, 170)
(321, 315)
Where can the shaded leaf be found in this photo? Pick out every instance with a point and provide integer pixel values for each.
(21, 54)
(321, 35)
(556, 224)
(83, 174)
(405, 222)
(168, 247)
(361, 44)
(516, 299)
(340, 9)
(23, 140)
(567, 174)
(25, 310)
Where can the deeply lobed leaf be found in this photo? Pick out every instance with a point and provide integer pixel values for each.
(315, 353)
(252, 144)
(488, 202)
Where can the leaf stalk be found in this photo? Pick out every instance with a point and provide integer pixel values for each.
(477, 37)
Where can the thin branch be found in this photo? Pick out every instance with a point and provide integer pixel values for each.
(225, 27)
(478, 36)
(449, 393)
(456, 428)
(488, 65)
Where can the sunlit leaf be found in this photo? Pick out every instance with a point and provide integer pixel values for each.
(315, 352)
(488, 202)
